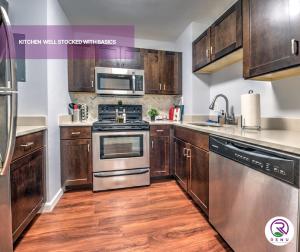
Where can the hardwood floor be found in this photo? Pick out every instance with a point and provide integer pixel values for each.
(155, 218)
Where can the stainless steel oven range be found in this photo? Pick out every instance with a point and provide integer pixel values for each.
(120, 150)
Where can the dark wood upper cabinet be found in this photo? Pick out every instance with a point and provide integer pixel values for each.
(201, 51)
(132, 58)
(198, 187)
(220, 45)
(159, 151)
(171, 72)
(81, 68)
(227, 32)
(108, 56)
(152, 73)
(271, 38)
(163, 72)
(76, 157)
(119, 57)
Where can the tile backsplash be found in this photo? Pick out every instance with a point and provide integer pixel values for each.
(160, 102)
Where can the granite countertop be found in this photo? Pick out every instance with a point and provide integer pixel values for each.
(284, 140)
(25, 130)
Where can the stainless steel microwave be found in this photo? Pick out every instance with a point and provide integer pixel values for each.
(119, 81)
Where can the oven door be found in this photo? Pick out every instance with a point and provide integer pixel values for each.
(114, 151)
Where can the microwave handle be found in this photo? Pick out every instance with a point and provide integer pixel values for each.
(133, 82)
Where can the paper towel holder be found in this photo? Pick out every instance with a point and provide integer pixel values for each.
(243, 123)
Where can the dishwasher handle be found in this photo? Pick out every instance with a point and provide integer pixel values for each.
(254, 153)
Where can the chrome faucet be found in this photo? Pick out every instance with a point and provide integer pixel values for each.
(229, 117)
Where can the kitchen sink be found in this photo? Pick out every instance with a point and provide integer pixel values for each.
(207, 124)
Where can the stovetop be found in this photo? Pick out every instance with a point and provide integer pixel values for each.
(107, 118)
(105, 125)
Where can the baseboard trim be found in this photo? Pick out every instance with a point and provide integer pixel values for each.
(49, 206)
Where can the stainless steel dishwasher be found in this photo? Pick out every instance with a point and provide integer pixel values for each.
(248, 186)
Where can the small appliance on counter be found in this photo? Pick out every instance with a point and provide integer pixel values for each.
(250, 111)
(84, 112)
(79, 112)
(176, 112)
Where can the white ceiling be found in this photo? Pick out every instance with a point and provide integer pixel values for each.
(153, 19)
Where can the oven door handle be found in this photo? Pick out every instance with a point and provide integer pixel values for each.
(121, 173)
(133, 82)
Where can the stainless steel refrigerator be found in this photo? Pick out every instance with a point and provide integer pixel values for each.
(8, 115)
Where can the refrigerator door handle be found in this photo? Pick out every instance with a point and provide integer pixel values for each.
(12, 97)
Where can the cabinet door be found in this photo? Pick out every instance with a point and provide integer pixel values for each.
(132, 58)
(160, 156)
(198, 176)
(271, 27)
(108, 56)
(226, 32)
(81, 68)
(27, 190)
(201, 51)
(170, 73)
(76, 162)
(181, 168)
(152, 72)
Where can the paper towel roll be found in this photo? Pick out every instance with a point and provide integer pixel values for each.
(250, 110)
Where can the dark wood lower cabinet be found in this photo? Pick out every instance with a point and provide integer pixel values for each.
(192, 165)
(181, 164)
(159, 156)
(76, 162)
(27, 189)
(198, 179)
(76, 157)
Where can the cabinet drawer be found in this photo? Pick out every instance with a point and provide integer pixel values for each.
(75, 132)
(160, 130)
(28, 143)
(193, 137)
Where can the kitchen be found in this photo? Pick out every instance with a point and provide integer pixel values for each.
(184, 137)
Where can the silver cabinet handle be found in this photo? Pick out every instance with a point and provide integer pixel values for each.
(88, 147)
(184, 152)
(152, 144)
(164, 87)
(159, 86)
(159, 130)
(211, 50)
(92, 84)
(27, 144)
(76, 133)
(294, 46)
(207, 53)
(188, 153)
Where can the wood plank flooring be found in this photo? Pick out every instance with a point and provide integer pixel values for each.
(156, 218)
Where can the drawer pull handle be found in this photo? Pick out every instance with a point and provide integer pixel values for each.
(159, 130)
(76, 133)
(27, 145)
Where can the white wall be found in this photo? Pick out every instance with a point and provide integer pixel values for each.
(58, 99)
(33, 92)
(278, 98)
(155, 44)
(195, 88)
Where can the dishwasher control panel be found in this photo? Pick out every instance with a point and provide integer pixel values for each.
(280, 165)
